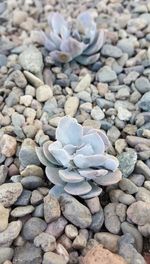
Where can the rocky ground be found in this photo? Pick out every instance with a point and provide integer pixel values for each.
(114, 95)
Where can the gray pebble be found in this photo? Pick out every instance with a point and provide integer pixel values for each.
(45, 241)
(111, 51)
(128, 186)
(53, 258)
(33, 227)
(144, 102)
(6, 253)
(27, 154)
(143, 195)
(127, 161)
(137, 179)
(21, 211)
(39, 211)
(106, 74)
(51, 209)
(3, 60)
(112, 222)
(9, 193)
(142, 84)
(108, 240)
(27, 254)
(32, 182)
(126, 46)
(24, 198)
(97, 221)
(57, 227)
(3, 173)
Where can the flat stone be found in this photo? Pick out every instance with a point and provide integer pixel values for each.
(111, 51)
(43, 93)
(75, 212)
(33, 227)
(4, 213)
(51, 209)
(71, 106)
(21, 211)
(8, 145)
(53, 258)
(31, 60)
(11, 232)
(6, 253)
(106, 74)
(45, 241)
(9, 193)
(108, 240)
(127, 161)
(27, 254)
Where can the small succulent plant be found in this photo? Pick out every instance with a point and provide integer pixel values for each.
(81, 41)
(76, 162)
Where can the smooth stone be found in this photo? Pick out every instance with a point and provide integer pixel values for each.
(112, 222)
(36, 197)
(111, 51)
(75, 212)
(24, 198)
(21, 211)
(142, 168)
(51, 209)
(39, 211)
(19, 79)
(27, 154)
(71, 231)
(139, 213)
(143, 195)
(97, 221)
(35, 81)
(124, 114)
(32, 170)
(4, 215)
(121, 210)
(106, 74)
(128, 186)
(93, 204)
(53, 258)
(57, 227)
(6, 253)
(10, 233)
(45, 241)
(3, 60)
(126, 46)
(113, 134)
(142, 84)
(27, 254)
(3, 173)
(33, 227)
(131, 229)
(81, 240)
(108, 240)
(31, 60)
(127, 161)
(144, 102)
(9, 193)
(32, 182)
(147, 185)
(43, 93)
(97, 113)
(83, 84)
(8, 145)
(71, 106)
(137, 179)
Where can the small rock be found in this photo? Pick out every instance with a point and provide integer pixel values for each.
(35, 81)
(9, 193)
(3, 60)
(142, 84)
(19, 16)
(3, 173)
(6, 253)
(142, 168)
(97, 221)
(144, 102)
(8, 145)
(106, 74)
(31, 60)
(128, 186)
(33, 227)
(75, 212)
(83, 84)
(19, 79)
(143, 195)
(32, 182)
(108, 240)
(43, 93)
(81, 240)
(97, 113)
(53, 258)
(4, 213)
(62, 252)
(124, 114)
(36, 197)
(27, 254)
(137, 179)
(111, 51)
(112, 222)
(113, 134)
(57, 227)
(127, 161)
(27, 154)
(26, 100)
(32, 170)
(139, 213)
(21, 211)
(71, 106)
(120, 145)
(126, 46)
(93, 204)
(24, 198)
(71, 231)
(10, 233)
(121, 211)
(51, 209)
(45, 241)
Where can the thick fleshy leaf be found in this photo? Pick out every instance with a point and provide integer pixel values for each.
(69, 131)
(72, 46)
(87, 60)
(3, 7)
(48, 155)
(86, 25)
(41, 38)
(95, 141)
(85, 150)
(52, 174)
(101, 134)
(59, 56)
(84, 162)
(55, 145)
(80, 188)
(42, 158)
(70, 176)
(96, 44)
(109, 178)
(96, 191)
(111, 163)
(91, 174)
(56, 191)
(70, 148)
(57, 22)
(55, 39)
(62, 157)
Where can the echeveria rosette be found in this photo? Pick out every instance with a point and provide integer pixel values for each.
(65, 42)
(77, 162)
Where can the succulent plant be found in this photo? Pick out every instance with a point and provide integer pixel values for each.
(76, 162)
(81, 41)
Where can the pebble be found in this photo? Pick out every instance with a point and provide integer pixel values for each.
(128, 186)
(97, 221)
(53, 258)
(127, 161)
(126, 46)
(111, 51)
(9, 193)
(97, 113)
(33, 227)
(93, 204)
(27, 254)
(31, 60)
(10, 233)
(139, 213)
(19, 79)
(24, 198)
(57, 227)
(18, 119)
(3, 60)
(36, 197)
(142, 168)
(43, 93)
(120, 145)
(45, 241)
(131, 77)
(21, 211)
(81, 240)
(144, 102)
(71, 106)
(124, 114)
(60, 249)
(8, 145)
(6, 253)
(26, 100)
(142, 84)
(121, 211)
(27, 154)
(71, 208)
(108, 240)
(143, 195)
(137, 179)
(19, 16)
(71, 231)
(32, 182)
(51, 209)
(147, 185)
(32, 170)
(65, 242)
(83, 84)
(131, 229)
(3, 173)
(106, 74)
(112, 222)
(4, 213)
(113, 134)
(32, 79)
